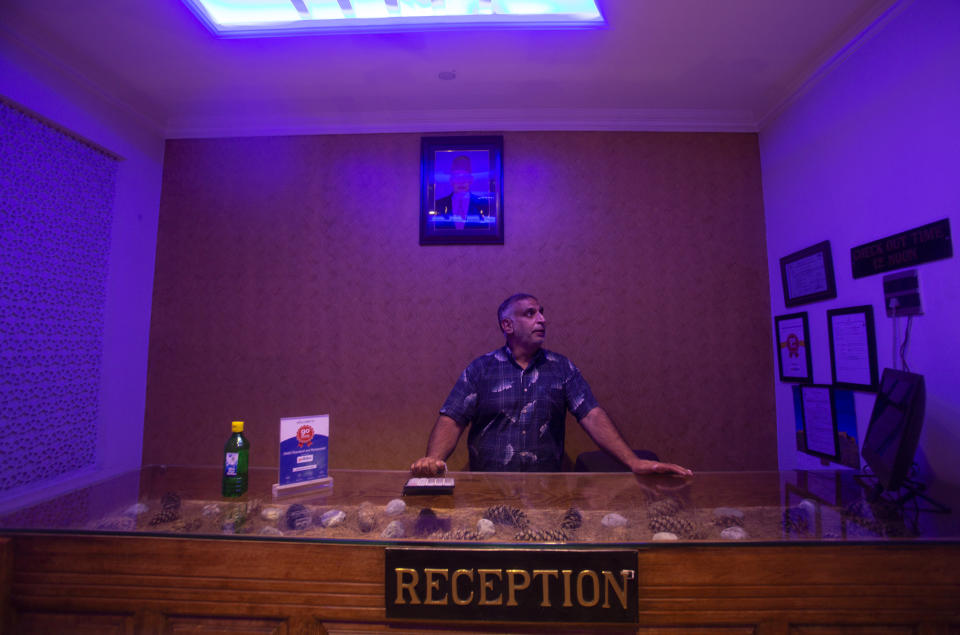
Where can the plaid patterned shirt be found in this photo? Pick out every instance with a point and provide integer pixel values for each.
(517, 415)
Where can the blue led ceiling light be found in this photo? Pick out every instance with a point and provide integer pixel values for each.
(272, 18)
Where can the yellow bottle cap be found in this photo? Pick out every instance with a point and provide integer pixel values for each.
(237, 426)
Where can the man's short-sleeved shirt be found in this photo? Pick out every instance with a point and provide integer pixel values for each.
(517, 415)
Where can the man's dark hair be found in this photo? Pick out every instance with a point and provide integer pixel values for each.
(506, 304)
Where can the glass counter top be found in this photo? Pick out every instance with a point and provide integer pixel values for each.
(568, 510)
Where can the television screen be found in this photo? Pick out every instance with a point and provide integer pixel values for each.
(895, 423)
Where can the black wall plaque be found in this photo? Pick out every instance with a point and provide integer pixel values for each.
(906, 249)
(516, 585)
(808, 275)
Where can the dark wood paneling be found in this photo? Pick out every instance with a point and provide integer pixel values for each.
(178, 624)
(200, 577)
(261, 586)
(853, 629)
(46, 623)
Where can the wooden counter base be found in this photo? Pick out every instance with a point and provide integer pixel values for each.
(55, 583)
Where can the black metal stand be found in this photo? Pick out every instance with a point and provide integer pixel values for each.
(912, 489)
(909, 491)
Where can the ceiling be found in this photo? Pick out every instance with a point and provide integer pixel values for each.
(723, 65)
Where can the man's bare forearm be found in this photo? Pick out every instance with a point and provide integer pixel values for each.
(443, 440)
(604, 433)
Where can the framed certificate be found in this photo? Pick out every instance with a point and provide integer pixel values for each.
(808, 275)
(820, 434)
(853, 348)
(793, 348)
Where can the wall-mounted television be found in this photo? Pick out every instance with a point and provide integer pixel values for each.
(894, 431)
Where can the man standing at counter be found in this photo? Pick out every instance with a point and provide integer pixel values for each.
(515, 400)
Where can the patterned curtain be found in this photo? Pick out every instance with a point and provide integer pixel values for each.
(56, 202)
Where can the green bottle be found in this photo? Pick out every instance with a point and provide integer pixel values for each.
(236, 458)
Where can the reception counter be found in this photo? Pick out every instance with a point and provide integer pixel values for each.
(160, 551)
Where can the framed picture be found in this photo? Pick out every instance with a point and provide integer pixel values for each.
(819, 436)
(461, 190)
(793, 348)
(808, 275)
(853, 348)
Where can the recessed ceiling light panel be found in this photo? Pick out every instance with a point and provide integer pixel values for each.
(265, 18)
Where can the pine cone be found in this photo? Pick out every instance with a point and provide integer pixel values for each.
(503, 515)
(165, 516)
(672, 524)
(458, 535)
(572, 520)
(665, 507)
(541, 535)
(170, 500)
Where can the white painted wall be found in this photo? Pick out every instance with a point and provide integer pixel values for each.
(47, 88)
(872, 149)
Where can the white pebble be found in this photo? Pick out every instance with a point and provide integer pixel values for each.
(270, 513)
(394, 530)
(270, 531)
(395, 507)
(333, 518)
(733, 533)
(211, 509)
(485, 528)
(614, 520)
(664, 536)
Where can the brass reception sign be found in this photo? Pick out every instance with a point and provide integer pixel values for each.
(513, 585)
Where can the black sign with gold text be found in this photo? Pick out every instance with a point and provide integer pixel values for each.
(516, 585)
(906, 249)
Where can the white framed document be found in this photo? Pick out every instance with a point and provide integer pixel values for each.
(853, 348)
(807, 275)
(820, 433)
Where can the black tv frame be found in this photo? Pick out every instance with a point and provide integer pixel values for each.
(890, 444)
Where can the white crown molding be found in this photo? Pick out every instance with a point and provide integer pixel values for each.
(870, 24)
(81, 82)
(459, 120)
(880, 13)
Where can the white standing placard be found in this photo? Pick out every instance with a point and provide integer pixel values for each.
(304, 448)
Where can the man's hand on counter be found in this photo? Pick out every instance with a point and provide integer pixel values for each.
(428, 466)
(642, 466)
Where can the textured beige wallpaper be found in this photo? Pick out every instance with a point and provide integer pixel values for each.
(290, 281)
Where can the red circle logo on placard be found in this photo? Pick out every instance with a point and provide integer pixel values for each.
(304, 436)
